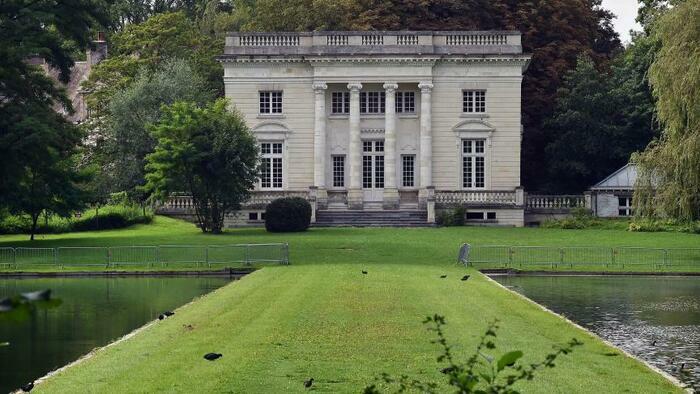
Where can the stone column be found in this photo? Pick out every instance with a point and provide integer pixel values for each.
(391, 192)
(320, 144)
(355, 149)
(426, 141)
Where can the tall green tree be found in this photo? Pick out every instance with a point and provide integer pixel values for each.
(208, 152)
(669, 169)
(37, 145)
(134, 109)
(149, 45)
(600, 120)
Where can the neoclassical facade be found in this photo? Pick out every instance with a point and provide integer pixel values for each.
(375, 123)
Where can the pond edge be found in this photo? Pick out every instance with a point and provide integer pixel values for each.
(119, 340)
(664, 374)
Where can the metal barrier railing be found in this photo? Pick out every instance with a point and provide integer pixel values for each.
(497, 256)
(163, 255)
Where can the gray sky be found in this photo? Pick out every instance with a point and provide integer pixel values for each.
(626, 11)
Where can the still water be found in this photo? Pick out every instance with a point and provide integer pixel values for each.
(92, 313)
(655, 318)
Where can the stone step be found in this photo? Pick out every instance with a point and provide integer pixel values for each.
(374, 218)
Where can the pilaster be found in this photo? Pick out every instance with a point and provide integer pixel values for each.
(391, 192)
(355, 195)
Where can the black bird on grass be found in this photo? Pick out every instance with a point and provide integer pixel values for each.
(212, 356)
(168, 313)
(443, 276)
(309, 383)
(27, 387)
(364, 272)
(161, 317)
(465, 277)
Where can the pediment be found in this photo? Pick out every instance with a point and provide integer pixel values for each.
(271, 127)
(474, 125)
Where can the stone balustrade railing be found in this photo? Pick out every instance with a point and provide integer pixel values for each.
(374, 42)
(555, 201)
(183, 204)
(476, 197)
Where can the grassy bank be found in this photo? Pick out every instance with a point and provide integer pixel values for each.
(423, 246)
(282, 325)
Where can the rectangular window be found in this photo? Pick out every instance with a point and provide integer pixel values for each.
(473, 101)
(252, 216)
(378, 172)
(372, 102)
(408, 170)
(475, 216)
(473, 164)
(367, 172)
(624, 206)
(271, 102)
(338, 171)
(271, 165)
(340, 102)
(405, 102)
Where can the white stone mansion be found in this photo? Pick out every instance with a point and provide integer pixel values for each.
(372, 124)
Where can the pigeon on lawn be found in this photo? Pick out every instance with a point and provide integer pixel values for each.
(465, 277)
(443, 276)
(309, 383)
(212, 356)
(27, 387)
(168, 313)
(364, 272)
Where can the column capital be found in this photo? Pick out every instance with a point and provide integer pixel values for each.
(390, 87)
(355, 86)
(425, 87)
(319, 86)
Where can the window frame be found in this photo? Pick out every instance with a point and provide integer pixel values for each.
(270, 157)
(270, 102)
(471, 104)
(624, 210)
(403, 99)
(407, 174)
(335, 177)
(366, 98)
(471, 160)
(343, 103)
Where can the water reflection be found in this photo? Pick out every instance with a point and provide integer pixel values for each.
(92, 312)
(654, 318)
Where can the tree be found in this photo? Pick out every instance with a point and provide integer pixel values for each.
(601, 119)
(299, 15)
(208, 152)
(149, 45)
(37, 145)
(669, 169)
(135, 108)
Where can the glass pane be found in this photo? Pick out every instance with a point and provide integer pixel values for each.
(367, 172)
(479, 173)
(379, 172)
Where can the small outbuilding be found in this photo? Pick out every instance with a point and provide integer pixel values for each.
(612, 197)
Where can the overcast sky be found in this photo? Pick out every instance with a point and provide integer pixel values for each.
(626, 11)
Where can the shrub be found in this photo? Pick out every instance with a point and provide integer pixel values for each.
(459, 215)
(443, 218)
(107, 217)
(289, 214)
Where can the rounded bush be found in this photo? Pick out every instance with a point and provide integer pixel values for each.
(289, 214)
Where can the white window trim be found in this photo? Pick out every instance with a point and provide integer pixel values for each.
(285, 167)
(271, 114)
(345, 172)
(416, 170)
(486, 157)
(474, 129)
(474, 113)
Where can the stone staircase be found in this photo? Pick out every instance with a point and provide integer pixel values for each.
(379, 218)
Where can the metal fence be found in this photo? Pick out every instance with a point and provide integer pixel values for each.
(620, 258)
(162, 255)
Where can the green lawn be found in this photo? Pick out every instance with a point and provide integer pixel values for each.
(282, 325)
(366, 245)
(320, 317)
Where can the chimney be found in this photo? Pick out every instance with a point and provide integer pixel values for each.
(98, 49)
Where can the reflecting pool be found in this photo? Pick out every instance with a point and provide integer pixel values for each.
(655, 318)
(92, 312)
